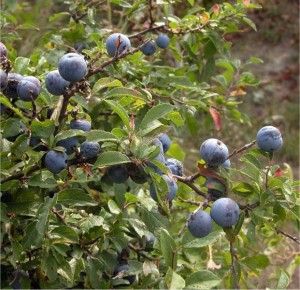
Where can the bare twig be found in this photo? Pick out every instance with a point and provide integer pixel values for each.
(59, 216)
(140, 252)
(190, 184)
(190, 201)
(245, 147)
(233, 266)
(295, 239)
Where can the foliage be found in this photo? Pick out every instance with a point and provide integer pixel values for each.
(73, 228)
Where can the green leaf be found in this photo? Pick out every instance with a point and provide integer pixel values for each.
(250, 23)
(256, 262)
(32, 237)
(168, 249)
(120, 111)
(42, 180)
(49, 266)
(100, 136)
(239, 223)
(105, 83)
(43, 215)
(155, 113)
(75, 196)
(202, 280)
(21, 65)
(113, 207)
(125, 92)
(110, 158)
(153, 219)
(174, 281)
(67, 134)
(283, 281)
(189, 241)
(42, 129)
(67, 233)
(176, 118)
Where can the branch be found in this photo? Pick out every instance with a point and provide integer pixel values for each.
(140, 252)
(59, 216)
(295, 239)
(233, 267)
(245, 147)
(190, 184)
(190, 201)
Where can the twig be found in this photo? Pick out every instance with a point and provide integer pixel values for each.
(152, 20)
(190, 184)
(245, 147)
(295, 239)
(138, 34)
(233, 267)
(190, 201)
(140, 252)
(59, 216)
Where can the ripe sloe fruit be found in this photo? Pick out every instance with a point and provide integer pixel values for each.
(214, 152)
(118, 173)
(199, 224)
(166, 142)
(80, 124)
(172, 189)
(56, 161)
(137, 173)
(35, 81)
(55, 84)
(117, 40)
(162, 40)
(27, 90)
(11, 89)
(89, 149)
(175, 166)
(70, 144)
(72, 67)
(148, 48)
(225, 212)
(269, 139)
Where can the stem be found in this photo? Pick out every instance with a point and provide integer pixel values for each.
(140, 252)
(190, 184)
(295, 239)
(233, 267)
(245, 147)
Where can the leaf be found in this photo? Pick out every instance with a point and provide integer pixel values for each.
(105, 83)
(215, 114)
(190, 241)
(176, 118)
(113, 207)
(42, 129)
(150, 268)
(124, 92)
(174, 280)
(43, 215)
(120, 111)
(75, 196)
(153, 220)
(67, 134)
(21, 65)
(155, 113)
(32, 238)
(256, 262)
(202, 280)
(110, 158)
(65, 232)
(283, 280)
(100, 136)
(239, 223)
(168, 249)
(208, 172)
